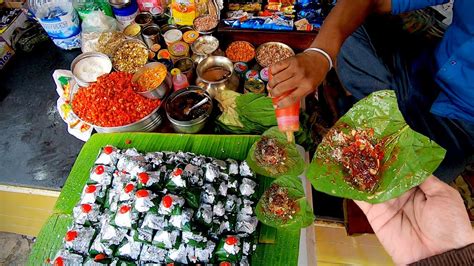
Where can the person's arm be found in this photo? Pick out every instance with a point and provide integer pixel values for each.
(304, 72)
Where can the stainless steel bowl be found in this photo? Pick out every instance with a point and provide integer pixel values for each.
(119, 3)
(279, 45)
(208, 32)
(199, 53)
(147, 124)
(159, 92)
(192, 126)
(80, 57)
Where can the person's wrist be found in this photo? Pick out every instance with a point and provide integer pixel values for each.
(321, 52)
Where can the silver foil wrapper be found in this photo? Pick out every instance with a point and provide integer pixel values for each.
(208, 194)
(154, 221)
(218, 209)
(101, 247)
(130, 249)
(245, 169)
(108, 159)
(179, 255)
(67, 258)
(81, 216)
(90, 195)
(247, 188)
(177, 202)
(145, 235)
(212, 172)
(166, 239)
(104, 178)
(221, 164)
(205, 213)
(152, 254)
(80, 244)
(182, 220)
(144, 204)
(223, 188)
(233, 167)
(246, 224)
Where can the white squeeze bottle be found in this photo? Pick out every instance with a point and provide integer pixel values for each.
(59, 20)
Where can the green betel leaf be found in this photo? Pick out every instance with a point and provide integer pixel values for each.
(303, 216)
(256, 108)
(409, 157)
(293, 164)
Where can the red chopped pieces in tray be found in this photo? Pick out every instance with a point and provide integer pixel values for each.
(112, 102)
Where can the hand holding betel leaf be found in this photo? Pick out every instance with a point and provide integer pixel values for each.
(371, 154)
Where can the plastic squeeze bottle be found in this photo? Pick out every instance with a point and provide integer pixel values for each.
(288, 118)
(180, 81)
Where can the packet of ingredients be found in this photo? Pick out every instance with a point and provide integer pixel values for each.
(64, 81)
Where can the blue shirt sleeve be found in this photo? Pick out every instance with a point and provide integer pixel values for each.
(402, 6)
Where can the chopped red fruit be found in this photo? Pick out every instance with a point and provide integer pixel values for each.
(86, 208)
(170, 264)
(59, 261)
(128, 188)
(231, 240)
(128, 141)
(108, 150)
(124, 209)
(91, 189)
(100, 257)
(142, 193)
(71, 235)
(99, 169)
(167, 201)
(48, 260)
(177, 172)
(225, 263)
(144, 177)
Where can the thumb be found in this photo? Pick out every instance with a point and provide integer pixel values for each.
(433, 186)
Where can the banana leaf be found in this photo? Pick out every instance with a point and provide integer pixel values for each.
(409, 157)
(50, 238)
(303, 217)
(294, 163)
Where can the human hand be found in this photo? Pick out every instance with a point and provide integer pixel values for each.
(425, 221)
(300, 74)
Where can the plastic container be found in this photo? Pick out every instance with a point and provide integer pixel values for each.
(180, 81)
(288, 118)
(125, 16)
(85, 7)
(153, 6)
(60, 21)
(172, 36)
(178, 50)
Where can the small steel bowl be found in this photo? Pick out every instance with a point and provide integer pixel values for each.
(208, 32)
(122, 44)
(279, 44)
(159, 92)
(192, 126)
(119, 3)
(80, 57)
(251, 45)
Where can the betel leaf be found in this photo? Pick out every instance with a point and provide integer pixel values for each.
(409, 157)
(256, 108)
(293, 165)
(303, 217)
